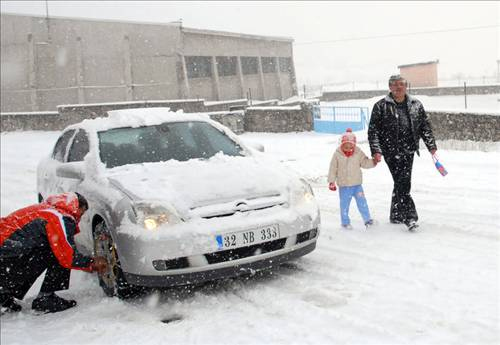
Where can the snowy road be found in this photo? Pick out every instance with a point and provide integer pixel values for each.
(382, 286)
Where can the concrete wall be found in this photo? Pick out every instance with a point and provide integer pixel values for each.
(278, 119)
(287, 85)
(457, 90)
(80, 61)
(227, 89)
(202, 88)
(446, 125)
(263, 85)
(233, 120)
(435, 91)
(31, 121)
(252, 86)
(226, 106)
(45, 63)
(255, 119)
(272, 87)
(70, 114)
(54, 121)
(460, 126)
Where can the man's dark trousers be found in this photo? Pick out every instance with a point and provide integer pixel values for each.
(18, 274)
(402, 205)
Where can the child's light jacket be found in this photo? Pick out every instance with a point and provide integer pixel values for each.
(346, 171)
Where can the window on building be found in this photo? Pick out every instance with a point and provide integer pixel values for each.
(226, 65)
(268, 64)
(285, 64)
(199, 66)
(249, 65)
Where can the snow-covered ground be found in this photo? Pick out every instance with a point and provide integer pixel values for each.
(379, 85)
(482, 104)
(382, 286)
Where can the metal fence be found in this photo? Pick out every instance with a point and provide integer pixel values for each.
(335, 119)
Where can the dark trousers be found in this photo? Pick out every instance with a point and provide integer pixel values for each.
(18, 274)
(402, 205)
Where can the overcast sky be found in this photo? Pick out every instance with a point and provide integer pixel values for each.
(334, 41)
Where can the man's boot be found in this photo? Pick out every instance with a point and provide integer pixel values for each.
(9, 305)
(52, 303)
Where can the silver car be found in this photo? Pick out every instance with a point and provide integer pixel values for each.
(178, 199)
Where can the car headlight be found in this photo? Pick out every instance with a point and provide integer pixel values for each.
(152, 215)
(302, 194)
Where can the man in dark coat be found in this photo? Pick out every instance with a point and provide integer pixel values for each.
(37, 238)
(398, 122)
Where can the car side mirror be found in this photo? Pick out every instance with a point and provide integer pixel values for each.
(258, 147)
(73, 170)
(254, 145)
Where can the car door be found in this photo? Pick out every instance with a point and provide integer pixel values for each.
(47, 180)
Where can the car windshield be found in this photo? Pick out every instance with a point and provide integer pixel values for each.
(177, 140)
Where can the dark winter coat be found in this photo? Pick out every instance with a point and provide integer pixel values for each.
(383, 130)
(51, 224)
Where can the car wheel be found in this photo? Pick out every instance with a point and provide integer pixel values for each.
(112, 281)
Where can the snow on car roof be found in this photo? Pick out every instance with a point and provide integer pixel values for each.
(138, 117)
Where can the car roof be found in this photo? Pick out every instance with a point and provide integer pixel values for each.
(138, 117)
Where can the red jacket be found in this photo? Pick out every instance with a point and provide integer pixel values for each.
(52, 223)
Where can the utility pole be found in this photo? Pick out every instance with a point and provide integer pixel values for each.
(465, 94)
(49, 40)
(498, 71)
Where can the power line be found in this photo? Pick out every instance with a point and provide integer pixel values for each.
(399, 35)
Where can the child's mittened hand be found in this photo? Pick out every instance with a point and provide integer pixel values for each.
(332, 186)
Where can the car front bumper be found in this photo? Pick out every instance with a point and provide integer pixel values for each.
(235, 270)
(182, 255)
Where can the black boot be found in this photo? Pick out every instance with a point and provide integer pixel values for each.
(52, 304)
(412, 225)
(9, 305)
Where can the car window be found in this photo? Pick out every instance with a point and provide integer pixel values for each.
(178, 140)
(214, 141)
(61, 145)
(79, 147)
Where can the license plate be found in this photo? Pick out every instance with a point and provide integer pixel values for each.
(248, 237)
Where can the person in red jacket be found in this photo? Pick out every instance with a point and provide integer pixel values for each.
(37, 238)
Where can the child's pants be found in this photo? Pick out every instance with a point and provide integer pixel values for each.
(346, 194)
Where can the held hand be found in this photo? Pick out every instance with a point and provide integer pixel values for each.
(99, 265)
(433, 152)
(332, 186)
(377, 157)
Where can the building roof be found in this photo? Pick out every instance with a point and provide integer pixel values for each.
(234, 34)
(420, 63)
(174, 23)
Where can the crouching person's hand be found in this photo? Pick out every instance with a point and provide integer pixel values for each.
(99, 264)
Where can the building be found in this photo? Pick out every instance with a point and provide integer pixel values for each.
(46, 62)
(422, 74)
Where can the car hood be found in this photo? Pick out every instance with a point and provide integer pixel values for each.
(211, 185)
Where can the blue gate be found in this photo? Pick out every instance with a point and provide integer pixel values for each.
(334, 119)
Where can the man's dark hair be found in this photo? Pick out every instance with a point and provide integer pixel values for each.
(82, 202)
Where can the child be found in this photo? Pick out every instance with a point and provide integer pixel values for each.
(345, 169)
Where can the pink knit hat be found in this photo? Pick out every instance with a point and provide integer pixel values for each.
(348, 137)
